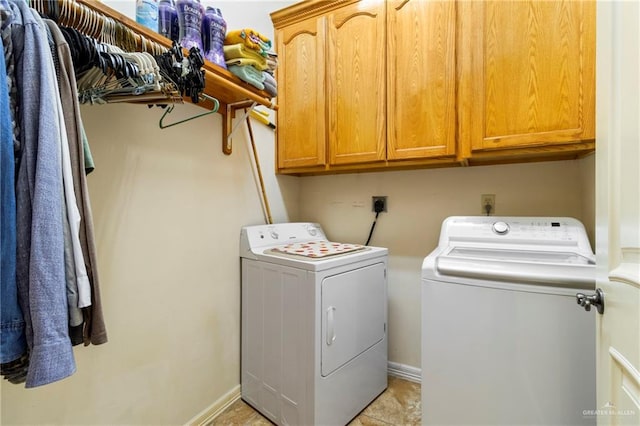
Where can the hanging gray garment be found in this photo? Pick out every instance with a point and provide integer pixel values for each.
(75, 133)
(95, 330)
(76, 320)
(40, 245)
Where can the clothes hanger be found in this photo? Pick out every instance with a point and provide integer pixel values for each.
(127, 75)
(74, 13)
(107, 66)
(96, 24)
(216, 106)
(54, 9)
(105, 34)
(62, 18)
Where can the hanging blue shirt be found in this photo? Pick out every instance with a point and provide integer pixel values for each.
(12, 339)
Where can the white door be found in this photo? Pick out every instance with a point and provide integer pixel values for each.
(618, 212)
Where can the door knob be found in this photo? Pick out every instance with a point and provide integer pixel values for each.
(586, 301)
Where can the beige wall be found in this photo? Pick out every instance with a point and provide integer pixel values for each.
(418, 202)
(168, 207)
(588, 179)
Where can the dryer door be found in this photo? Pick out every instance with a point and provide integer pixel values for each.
(354, 311)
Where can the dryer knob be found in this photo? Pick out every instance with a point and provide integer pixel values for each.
(274, 235)
(312, 231)
(501, 228)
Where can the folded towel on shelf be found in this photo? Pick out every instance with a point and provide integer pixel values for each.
(248, 74)
(272, 60)
(240, 51)
(269, 78)
(250, 38)
(246, 61)
(270, 85)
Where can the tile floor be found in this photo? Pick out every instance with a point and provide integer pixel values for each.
(400, 404)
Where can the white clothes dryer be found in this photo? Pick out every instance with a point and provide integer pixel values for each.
(503, 340)
(314, 324)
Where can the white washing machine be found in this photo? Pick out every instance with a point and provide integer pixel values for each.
(314, 324)
(503, 340)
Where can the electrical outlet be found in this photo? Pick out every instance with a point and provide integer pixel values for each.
(488, 204)
(382, 198)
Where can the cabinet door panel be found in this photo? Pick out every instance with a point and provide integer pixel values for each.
(301, 124)
(529, 77)
(421, 78)
(356, 83)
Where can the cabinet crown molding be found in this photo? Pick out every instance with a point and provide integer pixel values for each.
(304, 10)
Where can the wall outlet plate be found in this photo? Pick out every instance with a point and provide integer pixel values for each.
(382, 198)
(488, 204)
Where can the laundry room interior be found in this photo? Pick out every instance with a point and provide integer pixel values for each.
(168, 207)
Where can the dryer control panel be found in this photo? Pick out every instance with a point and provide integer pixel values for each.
(260, 237)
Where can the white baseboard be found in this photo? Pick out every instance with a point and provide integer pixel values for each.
(407, 372)
(214, 410)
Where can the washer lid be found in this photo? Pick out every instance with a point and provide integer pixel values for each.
(561, 269)
(530, 256)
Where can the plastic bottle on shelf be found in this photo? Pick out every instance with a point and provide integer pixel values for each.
(166, 15)
(147, 13)
(175, 24)
(205, 30)
(190, 13)
(215, 32)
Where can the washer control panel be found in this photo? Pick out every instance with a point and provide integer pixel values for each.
(551, 231)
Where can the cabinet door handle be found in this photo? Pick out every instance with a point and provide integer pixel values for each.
(331, 331)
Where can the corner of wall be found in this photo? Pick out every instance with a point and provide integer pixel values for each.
(587, 170)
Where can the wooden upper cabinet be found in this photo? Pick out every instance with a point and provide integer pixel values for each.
(368, 85)
(421, 76)
(527, 73)
(356, 83)
(301, 78)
